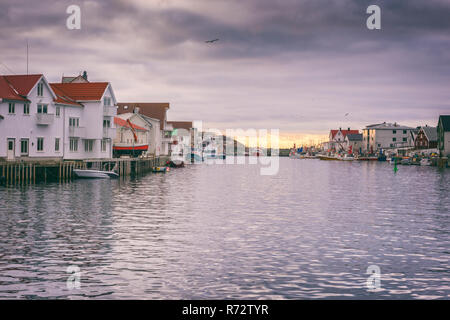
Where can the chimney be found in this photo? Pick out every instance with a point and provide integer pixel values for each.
(84, 75)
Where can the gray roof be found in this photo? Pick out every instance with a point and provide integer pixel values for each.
(430, 132)
(445, 119)
(388, 126)
(354, 137)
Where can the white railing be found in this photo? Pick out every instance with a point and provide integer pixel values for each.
(44, 119)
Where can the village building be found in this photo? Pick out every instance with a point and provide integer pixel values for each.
(387, 136)
(81, 78)
(443, 133)
(151, 125)
(89, 111)
(31, 124)
(131, 139)
(152, 112)
(337, 139)
(55, 121)
(426, 138)
(353, 143)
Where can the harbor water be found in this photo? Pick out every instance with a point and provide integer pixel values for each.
(226, 232)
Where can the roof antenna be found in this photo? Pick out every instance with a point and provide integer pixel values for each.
(27, 56)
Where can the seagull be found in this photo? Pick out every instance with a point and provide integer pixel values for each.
(211, 41)
(346, 114)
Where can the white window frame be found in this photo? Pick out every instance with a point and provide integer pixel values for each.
(37, 144)
(12, 107)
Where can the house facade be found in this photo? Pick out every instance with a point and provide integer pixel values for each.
(353, 143)
(443, 132)
(131, 139)
(337, 139)
(31, 124)
(426, 138)
(152, 112)
(89, 111)
(387, 136)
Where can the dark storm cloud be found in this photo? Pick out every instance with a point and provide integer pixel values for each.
(274, 61)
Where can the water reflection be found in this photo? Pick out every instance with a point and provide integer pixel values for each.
(227, 232)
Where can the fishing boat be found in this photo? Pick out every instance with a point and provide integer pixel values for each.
(425, 162)
(406, 161)
(94, 174)
(368, 158)
(325, 157)
(347, 157)
(160, 169)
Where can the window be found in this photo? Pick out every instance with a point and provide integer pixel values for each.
(74, 122)
(58, 111)
(73, 145)
(26, 108)
(56, 144)
(394, 139)
(12, 108)
(40, 144)
(106, 123)
(104, 144)
(88, 145)
(404, 131)
(24, 146)
(394, 131)
(40, 89)
(107, 101)
(404, 139)
(42, 108)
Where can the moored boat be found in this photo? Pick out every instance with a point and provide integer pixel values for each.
(160, 169)
(94, 174)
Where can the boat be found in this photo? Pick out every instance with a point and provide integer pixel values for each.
(95, 174)
(425, 162)
(406, 161)
(347, 157)
(368, 158)
(175, 163)
(323, 157)
(160, 169)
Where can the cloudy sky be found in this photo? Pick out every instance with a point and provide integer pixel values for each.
(295, 65)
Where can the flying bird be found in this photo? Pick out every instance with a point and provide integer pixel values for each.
(346, 114)
(211, 41)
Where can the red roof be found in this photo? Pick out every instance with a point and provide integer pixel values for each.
(17, 87)
(156, 110)
(124, 123)
(62, 97)
(90, 91)
(344, 132)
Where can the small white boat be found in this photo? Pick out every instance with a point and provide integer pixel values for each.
(425, 162)
(94, 174)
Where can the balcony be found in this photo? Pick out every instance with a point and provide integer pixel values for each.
(109, 133)
(77, 132)
(109, 111)
(44, 119)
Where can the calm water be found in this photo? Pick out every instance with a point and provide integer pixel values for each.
(221, 232)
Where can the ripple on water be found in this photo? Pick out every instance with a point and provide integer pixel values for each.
(226, 232)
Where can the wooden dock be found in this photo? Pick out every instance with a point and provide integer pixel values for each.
(20, 173)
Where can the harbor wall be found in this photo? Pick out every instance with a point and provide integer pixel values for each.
(18, 173)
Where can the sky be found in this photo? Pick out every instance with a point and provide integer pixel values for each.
(303, 67)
